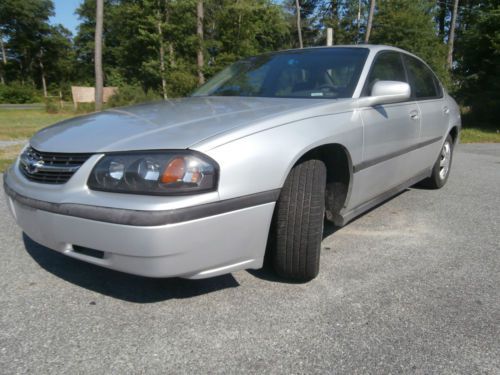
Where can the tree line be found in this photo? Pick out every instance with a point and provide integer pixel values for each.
(168, 47)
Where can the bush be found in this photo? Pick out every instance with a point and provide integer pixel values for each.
(17, 94)
(52, 105)
(130, 94)
(85, 108)
(181, 83)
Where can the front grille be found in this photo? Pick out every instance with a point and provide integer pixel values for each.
(50, 167)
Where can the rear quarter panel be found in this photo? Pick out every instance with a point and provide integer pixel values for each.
(455, 119)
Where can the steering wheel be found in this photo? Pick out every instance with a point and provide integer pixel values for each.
(327, 87)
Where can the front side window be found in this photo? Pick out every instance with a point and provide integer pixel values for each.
(329, 73)
(423, 83)
(388, 66)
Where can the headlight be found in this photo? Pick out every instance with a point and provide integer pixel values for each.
(155, 173)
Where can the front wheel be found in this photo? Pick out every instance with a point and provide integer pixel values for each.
(297, 229)
(441, 169)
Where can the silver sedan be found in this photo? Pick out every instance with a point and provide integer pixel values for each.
(246, 168)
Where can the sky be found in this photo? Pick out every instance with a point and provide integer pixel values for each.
(65, 14)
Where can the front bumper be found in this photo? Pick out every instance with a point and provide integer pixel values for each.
(191, 242)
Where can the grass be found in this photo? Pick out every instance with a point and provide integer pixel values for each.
(8, 155)
(476, 135)
(5, 163)
(22, 124)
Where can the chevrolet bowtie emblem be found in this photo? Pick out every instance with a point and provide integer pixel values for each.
(32, 165)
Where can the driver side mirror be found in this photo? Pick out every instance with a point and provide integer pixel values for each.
(386, 92)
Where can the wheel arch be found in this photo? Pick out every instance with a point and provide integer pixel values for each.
(454, 132)
(338, 163)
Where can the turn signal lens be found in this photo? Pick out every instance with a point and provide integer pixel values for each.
(174, 172)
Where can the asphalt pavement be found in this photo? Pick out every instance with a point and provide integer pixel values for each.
(22, 106)
(412, 286)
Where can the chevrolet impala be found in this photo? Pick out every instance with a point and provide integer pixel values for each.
(246, 168)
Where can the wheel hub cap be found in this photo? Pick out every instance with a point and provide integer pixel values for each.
(445, 159)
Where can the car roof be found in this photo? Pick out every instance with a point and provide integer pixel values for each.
(371, 47)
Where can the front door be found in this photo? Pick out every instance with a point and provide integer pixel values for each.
(391, 131)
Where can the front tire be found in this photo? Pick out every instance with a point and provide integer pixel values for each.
(297, 228)
(441, 169)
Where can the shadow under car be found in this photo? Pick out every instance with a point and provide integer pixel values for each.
(120, 285)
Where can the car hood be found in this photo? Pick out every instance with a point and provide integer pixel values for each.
(174, 124)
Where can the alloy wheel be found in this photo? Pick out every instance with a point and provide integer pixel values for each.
(445, 160)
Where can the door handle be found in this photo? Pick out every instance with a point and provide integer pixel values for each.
(446, 110)
(414, 115)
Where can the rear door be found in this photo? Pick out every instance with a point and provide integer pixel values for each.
(428, 93)
(390, 131)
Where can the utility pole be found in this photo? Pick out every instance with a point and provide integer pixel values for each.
(370, 21)
(299, 24)
(329, 37)
(98, 54)
(199, 32)
(451, 38)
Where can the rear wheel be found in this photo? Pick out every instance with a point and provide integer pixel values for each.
(441, 169)
(297, 227)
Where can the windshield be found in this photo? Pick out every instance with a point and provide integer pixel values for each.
(329, 73)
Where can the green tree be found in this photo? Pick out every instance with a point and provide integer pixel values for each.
(370, 21)
(410, 25)
(237, 29)
(347, 18)
(478, 62)
(309, 21)
(134, 46)
(24, 23)
(98, 55)
(56, 57)
(35, 51)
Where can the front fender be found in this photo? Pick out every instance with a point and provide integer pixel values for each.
(262, 161)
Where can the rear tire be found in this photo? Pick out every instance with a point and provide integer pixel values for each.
(441, 169)
(297, 227)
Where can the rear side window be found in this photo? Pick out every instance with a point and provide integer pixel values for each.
(388, 66)
(424, 84)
